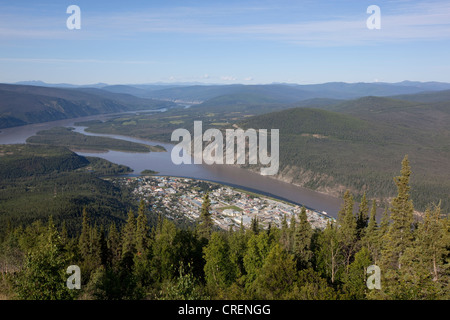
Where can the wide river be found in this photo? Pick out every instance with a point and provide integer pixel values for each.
(161, 162)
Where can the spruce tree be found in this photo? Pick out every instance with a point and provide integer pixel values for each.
(329, 254)
(284, 236)
(219, 270)
(254, 225)
(371, 239)
(103, 247)
(384, 225)
(205, 226)
(362, 217)
(114, 247)
(43, 276)
(128, 233)
(164, 259)
(302, 241)
(347, 233)
(431, 243)
(422, 273)
(84, 239)
(142, 230)
(399, 235)
(292, 228)
(355, 286)
(276, 276)
(94, 258)
(238, 245)
(258, 246)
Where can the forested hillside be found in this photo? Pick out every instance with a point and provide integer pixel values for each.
(39, 181)
(66, 137)
(20, 105)
(358, 147)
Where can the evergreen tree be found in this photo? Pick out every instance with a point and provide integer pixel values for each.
(347, 232)
(254, 225)
(206, 223)
(238, 245)
(164, 260)
(432, 246)
(384, 226)
(44, 274)
(219, 271)
(399, 235)
(291, 233)
(114, 247)
(422, 264)
(284, 236)
(277, 275)
(142, 230)
(103, 248)
(355, 286)
(311, 286)
(362, 216)
(371, 238)
(329, 254)
(84, 238)
(258, 246)
(64, 234)
(141, 261)
(94, 258)
(302, 243)
(185, 287)
(128, 234)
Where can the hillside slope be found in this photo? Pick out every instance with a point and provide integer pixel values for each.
(42, 181)
(330, 152)
(21, 105)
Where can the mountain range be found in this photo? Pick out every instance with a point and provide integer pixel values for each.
(25, 104)
(36, 101)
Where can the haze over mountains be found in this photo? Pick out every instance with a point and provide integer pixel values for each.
(35, 101)
(21, 104)
(282, 92)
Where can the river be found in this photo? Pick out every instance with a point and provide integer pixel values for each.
(161, 162)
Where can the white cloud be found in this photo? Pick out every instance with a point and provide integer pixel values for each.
(228, 78)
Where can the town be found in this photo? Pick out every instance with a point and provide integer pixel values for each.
(178, 198)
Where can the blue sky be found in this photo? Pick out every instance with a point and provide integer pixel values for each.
(230, 41)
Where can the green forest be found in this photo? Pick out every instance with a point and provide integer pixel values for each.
(38, 181)
(66, 137)
(331, 152)
(150, 257)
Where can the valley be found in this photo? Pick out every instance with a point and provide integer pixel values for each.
(355, 144)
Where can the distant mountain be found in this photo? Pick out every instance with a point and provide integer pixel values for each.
(21, 104)
(426, 86)
(289, 93)
(58, 85)
(138, 92)
(427, 96)
(354, 90)
(281, 92)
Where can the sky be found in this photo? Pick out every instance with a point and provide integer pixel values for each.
(249, 42)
